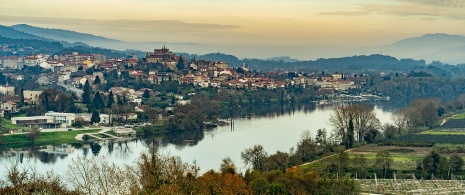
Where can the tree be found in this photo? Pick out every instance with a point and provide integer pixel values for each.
(227, 166)
(33, 134)
(146, 94)
(91, 175)
(400, 120)
(97, 80)
(181, 65)
(173, 100)
(389, 131)
(306, 148)
(434, 163)
(360, 164)
(98, 103)
(351, 133)
(86, 93)
(254, 156)
(29, 181)
(342, 161)
(77, 123)
(21, 96)
(321, 137)
(455, 163)
(111, 99)
(95, 117)
(363, 120)
(383, 162)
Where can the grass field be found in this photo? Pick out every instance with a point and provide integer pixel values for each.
(459, 116)
(444, 132)
(404, 158)
(47, 137)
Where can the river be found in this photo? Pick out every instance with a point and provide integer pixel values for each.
(274, 131)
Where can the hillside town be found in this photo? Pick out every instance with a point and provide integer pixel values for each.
(72, 72)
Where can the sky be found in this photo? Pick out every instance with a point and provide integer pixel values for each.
(249, 28)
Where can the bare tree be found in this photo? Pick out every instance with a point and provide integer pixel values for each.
(97, 176)
(400, 120)
(359, 118)
(33, 134)
(254, 156)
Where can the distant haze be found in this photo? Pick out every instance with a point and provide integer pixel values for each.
(303, 29)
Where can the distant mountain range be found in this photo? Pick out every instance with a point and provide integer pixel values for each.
(61, 35)
(430, 47)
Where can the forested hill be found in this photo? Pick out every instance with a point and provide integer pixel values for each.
(15, 34)
(28, 46)
(355, 63)
(23, 47)
(60, 34)
(93, 50)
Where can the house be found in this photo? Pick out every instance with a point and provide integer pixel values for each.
(86, 117)
(9, 107)
(38, 121)
(43, 80)
(63, 118)
(104, 118)
(31, 97)
(7, 90)
(11, 62)
(137, 101)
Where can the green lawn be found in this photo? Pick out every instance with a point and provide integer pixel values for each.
(459, 116)
(47, 138)
(111, 133)
(6, 123)
(400, 161)
(444, 132)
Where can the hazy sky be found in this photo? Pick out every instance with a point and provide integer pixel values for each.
(263, 27)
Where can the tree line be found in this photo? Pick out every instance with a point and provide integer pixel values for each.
(157, 174)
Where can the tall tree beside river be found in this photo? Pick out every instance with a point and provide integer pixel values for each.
(360, 118)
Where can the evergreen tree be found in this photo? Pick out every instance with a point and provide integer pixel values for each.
(351, 133)
(97, 80)
(21, 96)
(119, 101)
(97, 103)
(95, 117)
(86, 94)
(173, 100)
(181, 65)
(146, 94)
(111, 99)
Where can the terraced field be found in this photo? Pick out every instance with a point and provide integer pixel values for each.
(412, 186)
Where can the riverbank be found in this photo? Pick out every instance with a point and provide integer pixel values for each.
(45, 138)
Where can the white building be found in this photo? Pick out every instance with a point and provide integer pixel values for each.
(104, 118)
(7, 90)
(64, 118)
(31, 97)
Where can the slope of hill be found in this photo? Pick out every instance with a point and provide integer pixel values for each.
(429, 47)
(8, 32)
(61, 35)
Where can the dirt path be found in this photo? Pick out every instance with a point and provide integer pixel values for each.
(446, 119)
(318, 160)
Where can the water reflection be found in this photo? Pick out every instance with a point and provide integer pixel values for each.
(275, 126)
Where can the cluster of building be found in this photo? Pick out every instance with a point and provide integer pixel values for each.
(200, 73)
(62, 120)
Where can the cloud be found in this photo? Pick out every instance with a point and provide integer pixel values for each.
(144, 25)
(430, 9)
(440, 3)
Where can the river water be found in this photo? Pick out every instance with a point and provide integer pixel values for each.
(274, 131)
